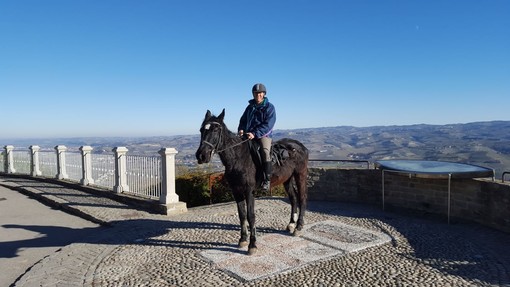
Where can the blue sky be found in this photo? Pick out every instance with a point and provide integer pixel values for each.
(153, 68)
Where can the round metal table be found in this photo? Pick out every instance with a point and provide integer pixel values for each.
(433, 169)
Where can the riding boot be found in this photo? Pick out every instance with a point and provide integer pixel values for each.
(268, 169)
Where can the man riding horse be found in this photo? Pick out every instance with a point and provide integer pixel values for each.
(257, 123)
(241, 172)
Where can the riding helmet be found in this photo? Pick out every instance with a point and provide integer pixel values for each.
(257, 88)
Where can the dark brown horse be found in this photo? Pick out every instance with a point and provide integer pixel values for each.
(241, 174)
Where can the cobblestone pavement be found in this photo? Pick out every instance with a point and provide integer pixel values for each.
(145, 249)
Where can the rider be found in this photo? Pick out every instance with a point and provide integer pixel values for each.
(257, 123)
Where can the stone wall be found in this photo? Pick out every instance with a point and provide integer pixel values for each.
(478, 200)
(348, 185)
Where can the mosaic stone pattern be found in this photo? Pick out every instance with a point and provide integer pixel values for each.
(283, 253)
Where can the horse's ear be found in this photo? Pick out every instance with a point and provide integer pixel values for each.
(222, 115)
(208, 114)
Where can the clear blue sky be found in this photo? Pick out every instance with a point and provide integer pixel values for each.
(151, 68)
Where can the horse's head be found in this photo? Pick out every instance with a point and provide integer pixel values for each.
(210, 136)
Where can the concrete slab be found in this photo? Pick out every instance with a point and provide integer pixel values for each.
(30, 231)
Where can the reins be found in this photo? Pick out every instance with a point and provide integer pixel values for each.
(234, 145)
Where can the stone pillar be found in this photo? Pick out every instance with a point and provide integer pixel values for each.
(9, 159)
(120, 170)
(169, 197)
(61, 162)
(34, 161)
(86, 159)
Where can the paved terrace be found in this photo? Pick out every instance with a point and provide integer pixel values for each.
(343, 245)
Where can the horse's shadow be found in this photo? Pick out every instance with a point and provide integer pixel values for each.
(135, 231)
(161, 228)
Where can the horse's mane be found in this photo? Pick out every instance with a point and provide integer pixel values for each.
(233, 153)
(230, 135)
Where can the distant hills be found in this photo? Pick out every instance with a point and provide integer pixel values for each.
(481, 143)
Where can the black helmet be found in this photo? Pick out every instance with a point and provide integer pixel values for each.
(257, 88)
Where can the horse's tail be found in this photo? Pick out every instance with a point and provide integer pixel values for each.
(300, 174)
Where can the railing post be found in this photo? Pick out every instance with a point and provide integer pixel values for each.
(120, 170)
(9, 159)
(169, 197)
(86, 159)
(61, 162)
(34, 161)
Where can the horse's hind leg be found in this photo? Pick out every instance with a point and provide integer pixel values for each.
(291, 192)
(302, 195)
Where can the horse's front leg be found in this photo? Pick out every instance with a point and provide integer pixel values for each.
(241, 210)
(250, 200)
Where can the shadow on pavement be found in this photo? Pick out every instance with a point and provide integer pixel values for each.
(467, 250)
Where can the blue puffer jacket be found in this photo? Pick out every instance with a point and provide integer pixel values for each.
(258, 119)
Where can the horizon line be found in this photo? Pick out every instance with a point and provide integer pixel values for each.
(277, 130)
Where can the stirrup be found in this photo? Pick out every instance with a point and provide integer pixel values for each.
(265, 185)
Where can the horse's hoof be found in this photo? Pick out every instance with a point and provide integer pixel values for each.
(252, 250)
(291, 227)
(243, 244)
(297, 233)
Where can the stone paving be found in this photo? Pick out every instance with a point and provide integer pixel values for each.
(343, 245)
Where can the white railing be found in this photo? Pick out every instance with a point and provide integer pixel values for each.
(21, 160)
(148, 177)
(2, 161)
(144, 175)
(48, 163)
(103, 170)
(73, 166)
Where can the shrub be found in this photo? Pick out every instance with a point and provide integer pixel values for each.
(197, 189)
(193, 189)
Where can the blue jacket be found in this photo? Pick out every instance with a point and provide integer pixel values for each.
(258, 119)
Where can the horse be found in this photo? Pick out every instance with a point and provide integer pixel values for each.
(241, 174)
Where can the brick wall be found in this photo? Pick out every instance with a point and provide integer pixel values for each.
(351, 185)
(479, 200)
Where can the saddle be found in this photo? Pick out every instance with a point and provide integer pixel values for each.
(279, 153)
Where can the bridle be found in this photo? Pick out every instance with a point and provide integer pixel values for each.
(215, 146)
(207, 127)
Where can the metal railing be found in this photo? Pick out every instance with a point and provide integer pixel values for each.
(144, 175)
(73, 166)
(355, 161)
(21, 161)
(2, 161)
(103, 170)
(48, 163)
